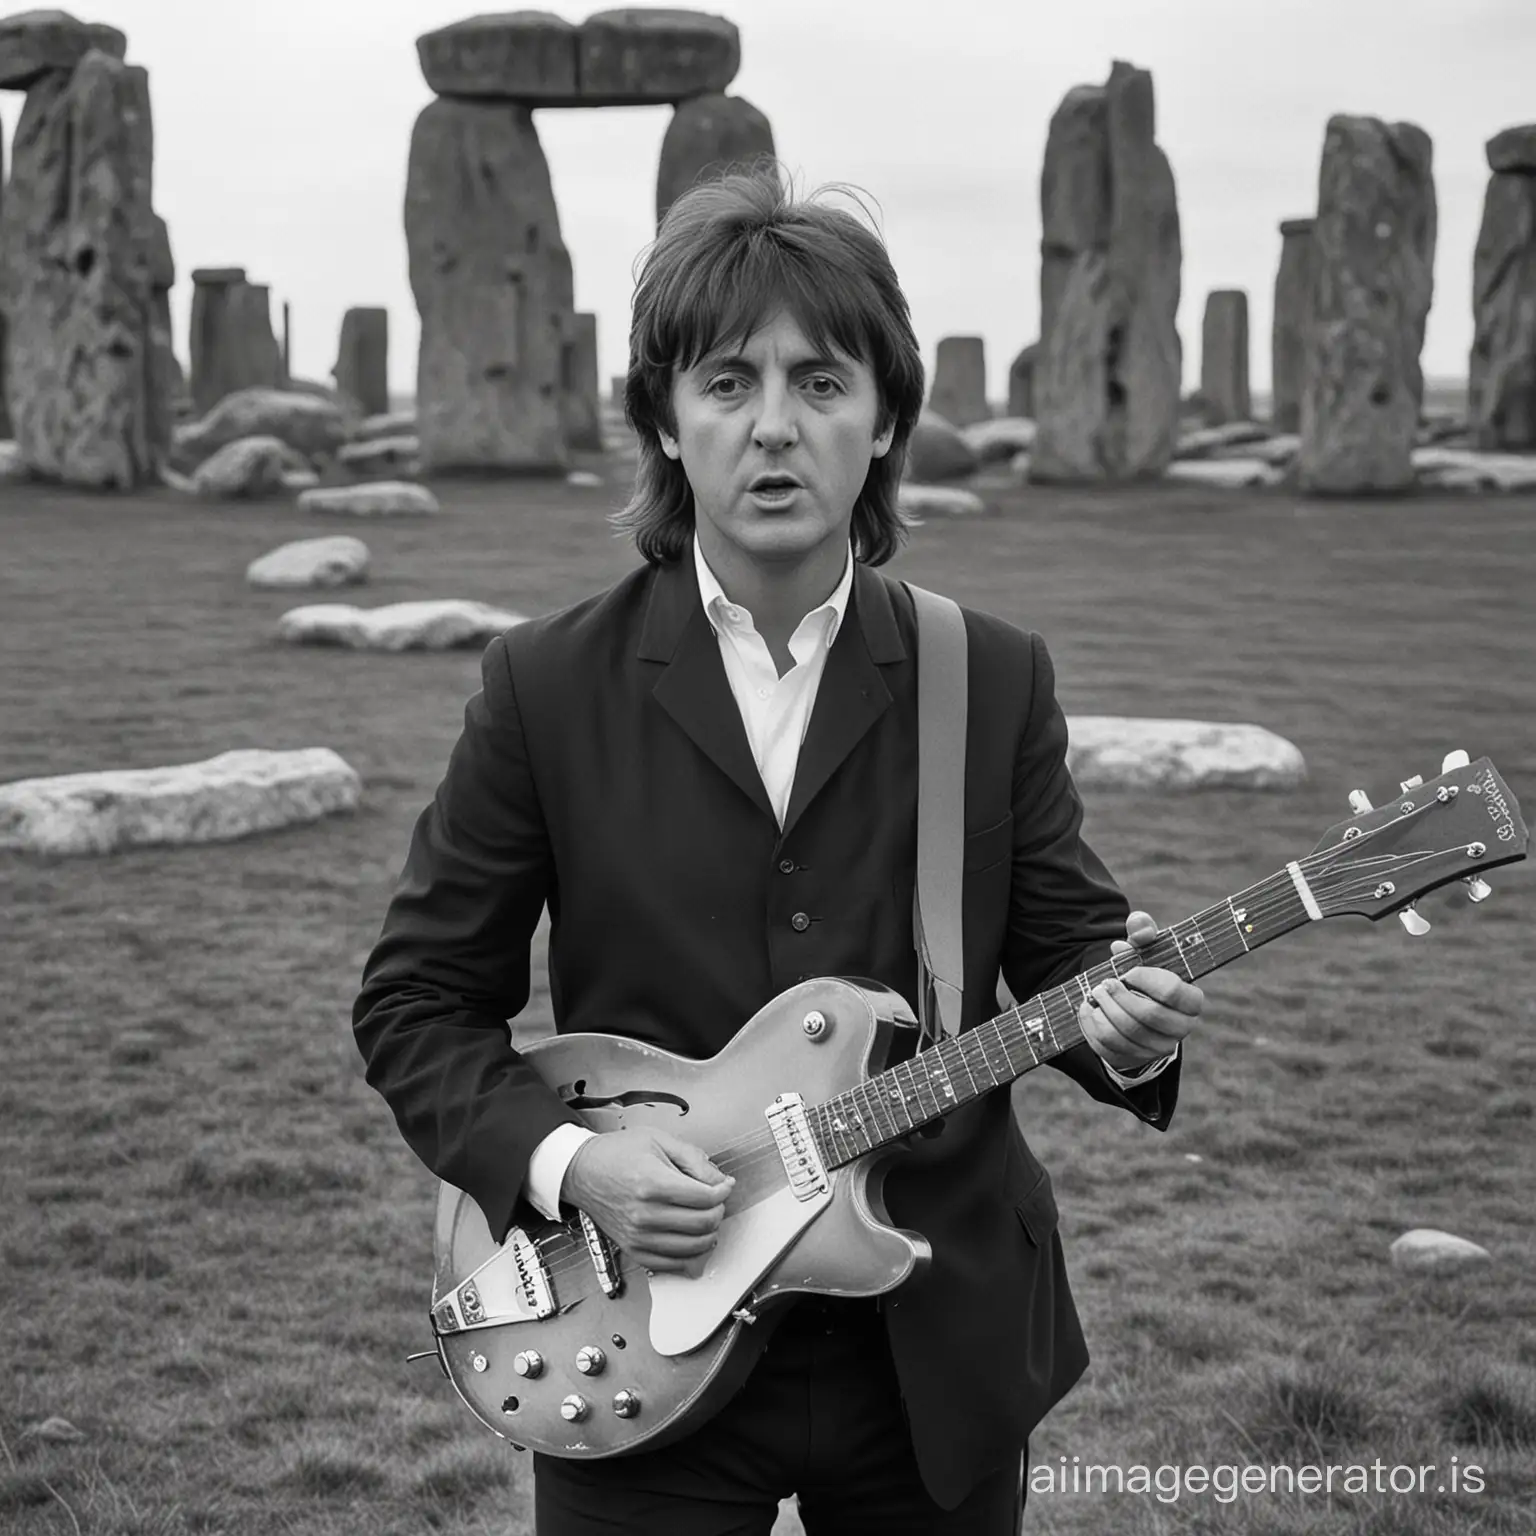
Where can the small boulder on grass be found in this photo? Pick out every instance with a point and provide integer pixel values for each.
(441, 624)
(1000, 437)
(250, 468)
(375, 498)
(1427, 1248)
(938, 501)
(936, 451)
(338, 561)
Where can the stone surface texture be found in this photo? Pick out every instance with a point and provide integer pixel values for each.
(374, 498)
(246, 470)
(336, 561)
(1427, 1248)
(1107, 376)
(38, 43)
(362, 358)
(309, 423)
(1513, 149)
(1373, 281)
(1021, 382)
(493, 285)
(644, 56)
(88, 404)
(708, 136)
(580, 405)
(1291, 323)
(232, 344)
(959, 389)
(1130, 752)
(515, 56)
(1501, 382)
(937, 451)
(217, 800)
(1224, 355)
(430, 625)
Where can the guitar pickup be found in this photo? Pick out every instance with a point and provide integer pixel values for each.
(604, 1258)
(797, 1147)
(512, 1286)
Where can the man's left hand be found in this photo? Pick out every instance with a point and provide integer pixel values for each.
(1142, 1016)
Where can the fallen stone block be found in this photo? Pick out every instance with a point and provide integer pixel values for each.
(938, 501)
(1204, 441)
(1130, 752)
(1466, 468)
(1280, 450)
(1427, 1248)
(1229, 474)
(999, 438)
(427, 625)
(391, 424)
(308, 423)
(385, 458)
(373, 498)
(247, 469)
(583, 479)
(216, 800)
(338, 561)
(936, 451)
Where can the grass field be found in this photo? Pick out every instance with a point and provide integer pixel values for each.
(215, 1250)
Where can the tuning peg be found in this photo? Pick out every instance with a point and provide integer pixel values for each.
(1359, 801)
(1456, 759)
(1412, 783)
(1478, 889)
(1410, 919)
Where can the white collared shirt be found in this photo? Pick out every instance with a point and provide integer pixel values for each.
(775, 712)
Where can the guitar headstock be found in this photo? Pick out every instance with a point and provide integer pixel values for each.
(1428, 834)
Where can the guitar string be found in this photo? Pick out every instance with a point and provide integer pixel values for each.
(566, 1253)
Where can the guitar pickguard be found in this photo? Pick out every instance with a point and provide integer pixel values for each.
(686, 1310)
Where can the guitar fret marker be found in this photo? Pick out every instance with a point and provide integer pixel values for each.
(1240, 922)
(1308, 900)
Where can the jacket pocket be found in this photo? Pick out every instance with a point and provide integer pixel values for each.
(1037, 1212)
(989, 846)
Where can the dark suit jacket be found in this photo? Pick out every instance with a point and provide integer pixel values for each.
(603, 768)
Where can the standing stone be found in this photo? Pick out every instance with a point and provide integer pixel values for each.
(5, 415)
(1501, 383)
(1224, 355)
(1107, 376)
(169, 386)
(960, 381)
(492, 282)
(75, 236)
(362, 359)
(578, 387)
(1292, 323)
(708, 136)
(1375, 250)
(1021, 382)
(232, 343)
(38, 43)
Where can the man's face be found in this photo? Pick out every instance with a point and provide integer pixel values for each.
(776, 409)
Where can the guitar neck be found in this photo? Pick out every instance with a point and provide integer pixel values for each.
(938, 1080)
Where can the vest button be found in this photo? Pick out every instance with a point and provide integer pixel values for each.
(799, 922)
(786, 866)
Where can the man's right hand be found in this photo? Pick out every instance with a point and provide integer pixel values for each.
(657, 1196)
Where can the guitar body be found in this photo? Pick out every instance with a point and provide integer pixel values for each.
(678, 1346)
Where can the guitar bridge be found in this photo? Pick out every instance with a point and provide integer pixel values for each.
(797, 1147)
(602, 1253)
(512, 1286)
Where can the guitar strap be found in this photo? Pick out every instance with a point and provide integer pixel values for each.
(941, 721)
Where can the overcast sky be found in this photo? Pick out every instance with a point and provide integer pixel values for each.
(282, 130)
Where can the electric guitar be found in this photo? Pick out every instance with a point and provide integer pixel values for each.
(556, 1340)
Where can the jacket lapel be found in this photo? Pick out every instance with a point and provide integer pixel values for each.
(853, 693)
(693, 688)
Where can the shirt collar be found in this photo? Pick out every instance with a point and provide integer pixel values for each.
(716, 602)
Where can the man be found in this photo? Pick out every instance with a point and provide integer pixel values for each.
(708, 773)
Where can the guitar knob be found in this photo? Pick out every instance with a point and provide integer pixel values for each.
(1359, 801)
(590, 1360)
(1477, 889)
(1410, 919)
(573, 1409)
(626, 1403)
(529, 1363)
(1456, 759)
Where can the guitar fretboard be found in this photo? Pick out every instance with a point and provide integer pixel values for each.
(940, 1079)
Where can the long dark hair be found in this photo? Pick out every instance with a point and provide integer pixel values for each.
(728, 255)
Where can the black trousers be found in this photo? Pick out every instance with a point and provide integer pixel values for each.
(820, 1416)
